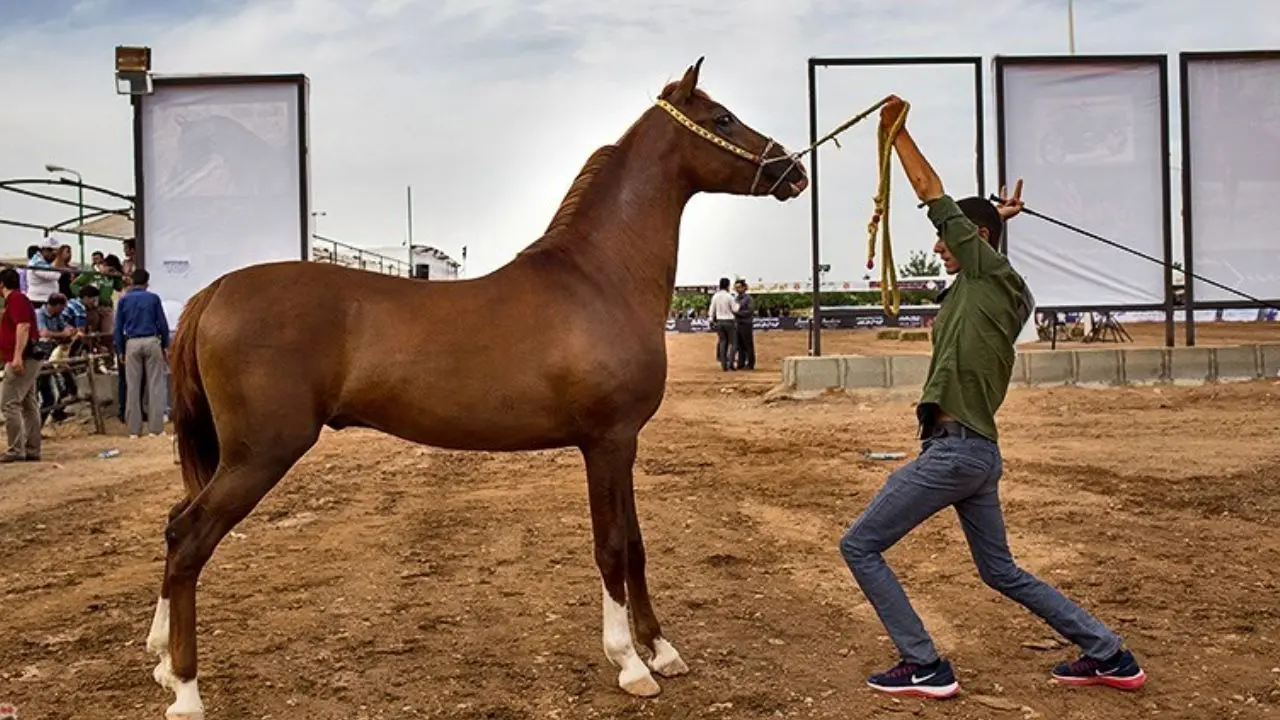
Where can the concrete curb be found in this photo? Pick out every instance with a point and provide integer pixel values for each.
(1099, 367)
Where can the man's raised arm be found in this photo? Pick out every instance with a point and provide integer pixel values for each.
(958, 232)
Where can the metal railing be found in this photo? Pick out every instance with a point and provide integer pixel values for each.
(328, 250)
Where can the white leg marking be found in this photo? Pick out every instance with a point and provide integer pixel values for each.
(666, 661)
(158, 638)
(634, 676)
(188, 705)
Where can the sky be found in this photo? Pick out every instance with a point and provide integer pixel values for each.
(489, 108)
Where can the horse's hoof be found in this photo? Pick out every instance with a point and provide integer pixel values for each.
(643, 686)
(666, 661)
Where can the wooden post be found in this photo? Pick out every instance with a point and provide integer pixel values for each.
(99, 426)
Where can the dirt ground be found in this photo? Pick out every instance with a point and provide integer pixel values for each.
(384, 580)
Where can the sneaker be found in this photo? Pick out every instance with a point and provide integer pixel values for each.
(1119, 671)
(935, 680)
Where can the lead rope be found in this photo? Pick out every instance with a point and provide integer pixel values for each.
(890, 294)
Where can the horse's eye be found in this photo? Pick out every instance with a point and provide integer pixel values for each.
(724, 120)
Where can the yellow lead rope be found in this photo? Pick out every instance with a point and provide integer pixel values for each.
(890, 295)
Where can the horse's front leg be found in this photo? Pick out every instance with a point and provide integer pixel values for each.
(663, 658)
(609, 465)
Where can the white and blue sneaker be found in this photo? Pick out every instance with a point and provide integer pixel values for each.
(935, 680)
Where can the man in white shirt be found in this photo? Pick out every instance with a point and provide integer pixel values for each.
(40, 285)
(722, 316)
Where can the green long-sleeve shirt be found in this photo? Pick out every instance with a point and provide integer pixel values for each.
(975, 330)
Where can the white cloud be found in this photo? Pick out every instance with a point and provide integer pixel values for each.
(488, 108)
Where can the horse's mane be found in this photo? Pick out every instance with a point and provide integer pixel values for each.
(573, 198)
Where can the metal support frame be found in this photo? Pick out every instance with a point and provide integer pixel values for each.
(1185, 59)
(160, 82)
(1000, 62)
(19, 186)
(815, 337)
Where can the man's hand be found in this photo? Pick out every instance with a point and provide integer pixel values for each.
(1010, 206)
(891, 111)
(18, 366)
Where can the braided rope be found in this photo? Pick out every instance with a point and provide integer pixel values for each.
(890, 294)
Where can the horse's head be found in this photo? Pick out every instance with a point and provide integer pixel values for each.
(722, 154)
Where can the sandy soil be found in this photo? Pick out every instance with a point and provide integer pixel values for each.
(385, 580)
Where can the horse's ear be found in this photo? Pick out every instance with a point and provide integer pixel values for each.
(687, 84)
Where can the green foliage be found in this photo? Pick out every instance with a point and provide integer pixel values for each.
(920, 264)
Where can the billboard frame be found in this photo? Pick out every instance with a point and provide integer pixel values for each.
(303, 85)
(815, 337)
(1184, 108)
(1161, 62)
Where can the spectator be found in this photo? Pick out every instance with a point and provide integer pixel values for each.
(107, 277)
(96, 258)
(57, 330)
(40, 285)
(130, 248)
(86, 316)
(18, 401)
(721, 311)
(744, 317)
(32, 251)
(141, 341)
(62, 261)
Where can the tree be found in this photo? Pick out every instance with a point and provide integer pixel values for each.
(920, 264)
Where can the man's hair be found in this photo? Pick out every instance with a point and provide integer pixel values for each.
(140, 277)
(130, 244)
(56, 299)
(983, 214)
(89, 291)
(9, 279)
(724, 283)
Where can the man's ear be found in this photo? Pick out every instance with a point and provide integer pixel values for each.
(688, 83)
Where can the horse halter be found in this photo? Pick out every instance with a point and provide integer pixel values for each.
(760, 160)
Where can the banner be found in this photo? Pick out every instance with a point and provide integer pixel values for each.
(843, 319)
(221, 180)
(1232, 109)
(923, 318)
(1086, 137)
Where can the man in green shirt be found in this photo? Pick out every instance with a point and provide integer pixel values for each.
(960, 463)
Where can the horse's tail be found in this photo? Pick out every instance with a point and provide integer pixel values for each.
(197, 437)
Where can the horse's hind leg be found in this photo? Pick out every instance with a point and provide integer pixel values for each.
(609, 465)
(158, 637)
(232, 493)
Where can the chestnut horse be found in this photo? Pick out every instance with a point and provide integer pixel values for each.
(585, 369)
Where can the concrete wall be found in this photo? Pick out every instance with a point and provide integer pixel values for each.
(1097, 367)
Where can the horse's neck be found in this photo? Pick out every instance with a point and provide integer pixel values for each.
(630, 228)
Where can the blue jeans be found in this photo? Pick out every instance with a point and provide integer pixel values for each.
(962, 470)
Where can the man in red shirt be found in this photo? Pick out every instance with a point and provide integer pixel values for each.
(18, 400)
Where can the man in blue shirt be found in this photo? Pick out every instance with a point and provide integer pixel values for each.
(141, 340)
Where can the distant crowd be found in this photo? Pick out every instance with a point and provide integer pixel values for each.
(55, 311)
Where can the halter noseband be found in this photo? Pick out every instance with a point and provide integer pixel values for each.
(759, 160)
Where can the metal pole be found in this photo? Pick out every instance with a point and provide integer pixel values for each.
(408, 195)
(80, 227)
(815, 325)
(1071, 25)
